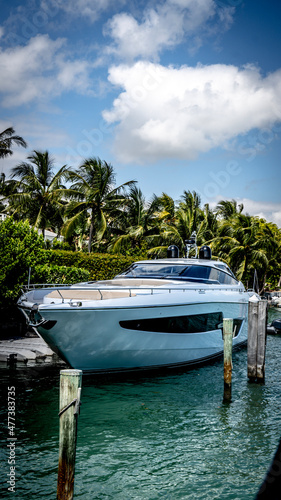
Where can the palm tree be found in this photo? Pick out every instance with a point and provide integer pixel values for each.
(208, 226)
(228, 209)
(93, 193)
(240, 243)
(270, 241)
(39, 191)
(7, 139)
(164, 209)
(190, 204)
(7, 187)
(136, 224)
(178, 223)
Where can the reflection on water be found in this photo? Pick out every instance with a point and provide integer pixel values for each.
(158, 437)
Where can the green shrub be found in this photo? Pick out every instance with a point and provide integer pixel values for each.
(100, 266)
(58, 274)
(20, 247)
(56, 244)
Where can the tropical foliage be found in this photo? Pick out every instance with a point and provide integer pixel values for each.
(20, 247)
(239, 241)
(136, 223)
(95, 215)
(48, 273)
(7, 140)
(176, 224)
(93, 197)
(24, 259)
(99, 266)
(37, 192)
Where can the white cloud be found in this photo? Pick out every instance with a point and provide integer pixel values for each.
(181, 112)
(165, 26)
(266, 210)
(269, 211)
(40, 70)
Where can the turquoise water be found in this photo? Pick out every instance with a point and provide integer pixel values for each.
(149, 437)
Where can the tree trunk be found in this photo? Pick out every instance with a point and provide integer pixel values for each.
(90, 237)
(263, 285)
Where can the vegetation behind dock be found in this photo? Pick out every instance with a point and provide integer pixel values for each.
(106, 227)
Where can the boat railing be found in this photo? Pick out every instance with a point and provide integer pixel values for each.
(32, 286)
(130, 289)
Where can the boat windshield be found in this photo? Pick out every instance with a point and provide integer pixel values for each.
(183, 272)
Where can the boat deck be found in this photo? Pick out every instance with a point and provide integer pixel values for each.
(99, 294)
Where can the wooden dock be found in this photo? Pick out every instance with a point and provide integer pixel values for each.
(29, 351)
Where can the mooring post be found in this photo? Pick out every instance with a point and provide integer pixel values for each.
(70, 391)
(253, 316)
(261, 343)
(227, 357)
(256, 338)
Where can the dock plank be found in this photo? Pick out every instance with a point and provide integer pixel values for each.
(37, 347)
(5, 355)
(13, 350)
(27, 349)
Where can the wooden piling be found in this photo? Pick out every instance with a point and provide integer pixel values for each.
(261, 340)
(227, 357)
(253, 316)
(70, 390)
(257, 315)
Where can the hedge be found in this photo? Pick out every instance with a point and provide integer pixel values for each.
(20, 247)
(48, 273)
(100, 266)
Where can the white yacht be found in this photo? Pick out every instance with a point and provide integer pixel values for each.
(157, 313)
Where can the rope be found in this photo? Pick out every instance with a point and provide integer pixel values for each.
(68, 406)
(75, 402)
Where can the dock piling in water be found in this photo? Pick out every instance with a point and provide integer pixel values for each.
(256, 339)
(261, 340)
(227, 357)
(70, 391)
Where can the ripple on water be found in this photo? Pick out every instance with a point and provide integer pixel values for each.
(148, 438)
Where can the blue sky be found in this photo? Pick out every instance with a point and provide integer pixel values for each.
(176, 94)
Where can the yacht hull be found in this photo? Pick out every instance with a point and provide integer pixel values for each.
(105, 337)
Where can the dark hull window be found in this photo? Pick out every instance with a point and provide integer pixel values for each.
(197, 323)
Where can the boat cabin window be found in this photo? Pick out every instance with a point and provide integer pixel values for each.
(183, 272)
(224, 267)
(196, 323)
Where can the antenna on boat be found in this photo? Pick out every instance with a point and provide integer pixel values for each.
(191, 243)
(256, 282)
(28, 280)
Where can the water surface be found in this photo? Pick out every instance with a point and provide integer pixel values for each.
(166, 436)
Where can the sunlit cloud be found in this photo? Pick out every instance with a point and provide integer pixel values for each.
(40, 70)
(165, 26)
(269, 211)
(166, 112)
